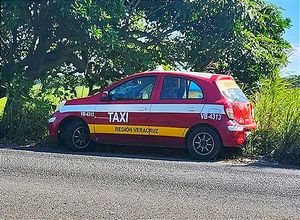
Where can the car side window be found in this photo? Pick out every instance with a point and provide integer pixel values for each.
(135, 89)
(180, 88)
(194, 91)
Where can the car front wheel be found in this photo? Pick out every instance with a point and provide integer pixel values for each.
(76, 136)
(204, 143)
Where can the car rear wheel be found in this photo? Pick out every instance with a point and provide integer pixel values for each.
(204, 143)
(76, 136)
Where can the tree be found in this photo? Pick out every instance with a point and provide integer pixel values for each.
(43, 38)
(242, 38)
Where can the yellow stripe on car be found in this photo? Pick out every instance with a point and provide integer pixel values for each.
(137, 130)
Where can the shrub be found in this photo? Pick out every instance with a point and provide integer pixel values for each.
(30, 105)
(26, 113)
(26, 121)
(277, 114)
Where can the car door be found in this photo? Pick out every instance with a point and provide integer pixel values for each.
(176, 107)
(124, 117)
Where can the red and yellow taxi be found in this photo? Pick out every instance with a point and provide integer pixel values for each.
(200, 111)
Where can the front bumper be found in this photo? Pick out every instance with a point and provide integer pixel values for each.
(52, 130)
(53, 127)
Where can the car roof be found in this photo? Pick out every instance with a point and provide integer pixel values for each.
(200, 75)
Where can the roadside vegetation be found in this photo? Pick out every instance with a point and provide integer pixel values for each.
(27, 115)
(55, 50)
(277, 114)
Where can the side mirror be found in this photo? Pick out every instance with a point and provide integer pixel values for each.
(104, 96)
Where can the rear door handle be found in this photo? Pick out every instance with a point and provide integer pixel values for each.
(191, 109)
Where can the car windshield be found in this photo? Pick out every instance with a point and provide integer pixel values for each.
(231, 90)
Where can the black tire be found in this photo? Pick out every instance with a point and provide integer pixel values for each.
(76, 136)
(204, 143)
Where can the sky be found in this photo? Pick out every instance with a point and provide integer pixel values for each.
(290, 9)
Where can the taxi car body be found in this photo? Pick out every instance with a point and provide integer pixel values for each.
(200, 111)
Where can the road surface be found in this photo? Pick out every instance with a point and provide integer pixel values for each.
(52, 185)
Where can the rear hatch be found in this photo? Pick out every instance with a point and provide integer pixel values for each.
(238, 107)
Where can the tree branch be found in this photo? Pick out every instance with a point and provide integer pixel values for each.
(156, 10)
(4, 43)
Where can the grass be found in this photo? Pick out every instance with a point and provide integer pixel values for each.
(26, 118)
(278, 118)
(81, 92)
(2, 105)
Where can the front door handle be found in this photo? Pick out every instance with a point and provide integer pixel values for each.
(142, 109)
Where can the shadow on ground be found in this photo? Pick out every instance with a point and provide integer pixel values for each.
(137, 152)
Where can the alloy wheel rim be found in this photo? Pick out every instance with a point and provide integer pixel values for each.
(81, 137)
(203, 143)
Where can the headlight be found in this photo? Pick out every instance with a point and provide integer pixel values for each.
(60, 105)
(52, 119)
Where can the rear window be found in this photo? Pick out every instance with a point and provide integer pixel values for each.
(231, 90)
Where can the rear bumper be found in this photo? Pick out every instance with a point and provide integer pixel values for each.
(250, 127)
(236, 134)
(239, 127)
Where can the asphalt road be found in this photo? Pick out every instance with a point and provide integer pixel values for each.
(100, 185)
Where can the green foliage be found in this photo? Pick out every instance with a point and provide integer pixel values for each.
(62, 87)
(25, 117)
(2, 105)
(43, 38)
(242, 38)
(278, 118)
(27, 122)
(294, 80)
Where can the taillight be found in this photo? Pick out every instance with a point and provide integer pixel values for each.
(230, 113)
